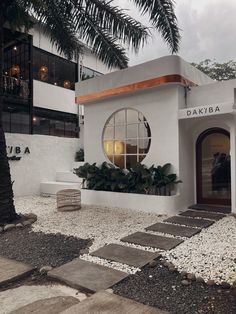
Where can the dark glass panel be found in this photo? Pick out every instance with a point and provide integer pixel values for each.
(56, 123)
(119, 160)
(6, 119)
(132, 146)
(144, 145)
(20, 122)
(54, 69)
(16, 119)
(41, 126)
(131, 160)
(57, 128)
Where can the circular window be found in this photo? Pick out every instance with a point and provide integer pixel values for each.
(126, 138)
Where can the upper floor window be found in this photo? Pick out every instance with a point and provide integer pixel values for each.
(54, 70)
(16, 65)
(87, 73)
(56, 123)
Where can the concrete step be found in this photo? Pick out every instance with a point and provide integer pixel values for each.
(86, 275)
(67, 176)
(52, 187)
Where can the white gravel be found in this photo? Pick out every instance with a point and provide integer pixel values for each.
(210, 254)
(104, 225)
(104, 262)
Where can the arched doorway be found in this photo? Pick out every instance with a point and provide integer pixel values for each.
(213, 167)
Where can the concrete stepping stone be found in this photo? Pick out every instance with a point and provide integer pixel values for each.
(11, 270)
(89, 276)
(212, 208)
(108, 303)
(175, 230)
(53, 305)
(125, 254)
(147, 239)
(202, 214)
(191, 222)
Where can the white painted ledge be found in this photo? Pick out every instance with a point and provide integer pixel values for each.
(147, 203)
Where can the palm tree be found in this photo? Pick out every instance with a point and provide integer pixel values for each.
(97, 23)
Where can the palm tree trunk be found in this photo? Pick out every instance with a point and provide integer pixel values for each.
(7, 208)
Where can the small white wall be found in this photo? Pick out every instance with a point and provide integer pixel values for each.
(216, 93)
(48, 154)
(146, 203)
(90, 61)
(53, 97)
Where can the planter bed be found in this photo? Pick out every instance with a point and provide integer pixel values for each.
(147, 203)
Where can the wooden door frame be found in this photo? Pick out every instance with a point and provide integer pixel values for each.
(201, 137)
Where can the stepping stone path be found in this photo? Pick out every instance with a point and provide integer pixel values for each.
(87, 275)
(11, 270)
(212, 208)
(191, 222)
(125, 255)
(94, 277)
(147, 239)
(47, 306)
(202, 214)
(175, 230)
(107, 303)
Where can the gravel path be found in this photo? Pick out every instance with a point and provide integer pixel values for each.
(161, 288)
(103, 225)
(39, 249)
(210, 254)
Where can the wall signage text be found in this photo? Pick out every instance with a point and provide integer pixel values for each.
(203, 111)
(16, 152)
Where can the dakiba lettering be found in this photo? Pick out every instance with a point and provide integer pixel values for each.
(203, 111)
(16, 152)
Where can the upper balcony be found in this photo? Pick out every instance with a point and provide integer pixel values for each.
(15, 88)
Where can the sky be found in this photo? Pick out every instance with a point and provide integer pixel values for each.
(208, 30)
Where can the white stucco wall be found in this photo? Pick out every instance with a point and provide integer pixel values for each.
(216, 93)
(53, 97)
(48, 154)
(159, 106)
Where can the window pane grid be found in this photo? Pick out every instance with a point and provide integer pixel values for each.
(126, 141)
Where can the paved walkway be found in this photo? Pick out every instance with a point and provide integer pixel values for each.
(97, 278)
(107, 303)
(11, 270)
(93, 277)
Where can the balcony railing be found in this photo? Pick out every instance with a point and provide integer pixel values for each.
(15, 87)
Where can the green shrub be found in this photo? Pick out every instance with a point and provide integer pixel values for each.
(138, 179)
(79, 156)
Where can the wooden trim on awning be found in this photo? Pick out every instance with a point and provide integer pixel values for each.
(131, 88)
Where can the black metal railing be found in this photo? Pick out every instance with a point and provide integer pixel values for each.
(15, 87)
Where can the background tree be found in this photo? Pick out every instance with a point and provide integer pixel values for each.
(217, 71)
(107, 29)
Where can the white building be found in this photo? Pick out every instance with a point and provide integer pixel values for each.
(158, 112)
(40, 116)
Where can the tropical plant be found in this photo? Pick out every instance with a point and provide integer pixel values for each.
(163, 180)
(79, 156)
(138, 179)
(97, 23)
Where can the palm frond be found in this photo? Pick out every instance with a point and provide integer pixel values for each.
(103, 44)
(116, 22)
(163, 18)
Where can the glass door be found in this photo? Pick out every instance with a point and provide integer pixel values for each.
(213, 167)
